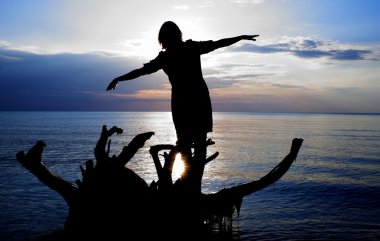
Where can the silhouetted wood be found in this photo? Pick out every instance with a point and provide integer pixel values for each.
(222, 203)
(112, 202)
(32, 161)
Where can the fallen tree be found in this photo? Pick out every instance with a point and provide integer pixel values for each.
(112, 202)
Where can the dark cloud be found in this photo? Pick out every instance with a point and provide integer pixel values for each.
(288, 86)
(349, 54)
(65, 81)
(344, 90)
(311, 53)
(306, 48)
(264, 49)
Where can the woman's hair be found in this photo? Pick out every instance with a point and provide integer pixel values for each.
(169, 33)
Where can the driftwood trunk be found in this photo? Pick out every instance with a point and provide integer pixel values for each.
(112, 202)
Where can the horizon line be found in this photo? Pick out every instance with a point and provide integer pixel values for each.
(252, 112)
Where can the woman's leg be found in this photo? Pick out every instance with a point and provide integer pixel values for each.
(200, 146)
(184, 142)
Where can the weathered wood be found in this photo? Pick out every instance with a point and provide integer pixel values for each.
(223, 203)
(113, 202)
(32, 161)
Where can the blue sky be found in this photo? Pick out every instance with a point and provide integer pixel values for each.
(311, 56)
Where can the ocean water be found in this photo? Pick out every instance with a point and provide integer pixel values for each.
(332, 191)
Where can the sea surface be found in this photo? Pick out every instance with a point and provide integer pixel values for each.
(332, 191)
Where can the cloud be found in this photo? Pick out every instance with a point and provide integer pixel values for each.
(343, 90)
(24, 48)
(290, 86)
(306, 47)
(4, 44)
(350, 54)
(225, 75)
(147, 94)
(181, 7)
(67, 81)
(236, 71)
(248, 1)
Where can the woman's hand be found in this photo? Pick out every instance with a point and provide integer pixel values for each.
(250, 37)
(113, 84)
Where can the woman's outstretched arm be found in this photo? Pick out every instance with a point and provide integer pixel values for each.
(229, 41)
(128, 76)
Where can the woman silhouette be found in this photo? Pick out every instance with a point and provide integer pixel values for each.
(190, 104)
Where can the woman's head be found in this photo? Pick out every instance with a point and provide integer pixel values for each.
(169, 34)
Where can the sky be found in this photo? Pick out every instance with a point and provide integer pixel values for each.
(311, 55)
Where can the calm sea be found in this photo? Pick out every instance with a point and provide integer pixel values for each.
(332, 191)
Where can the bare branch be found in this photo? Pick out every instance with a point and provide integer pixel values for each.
(32, 161)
